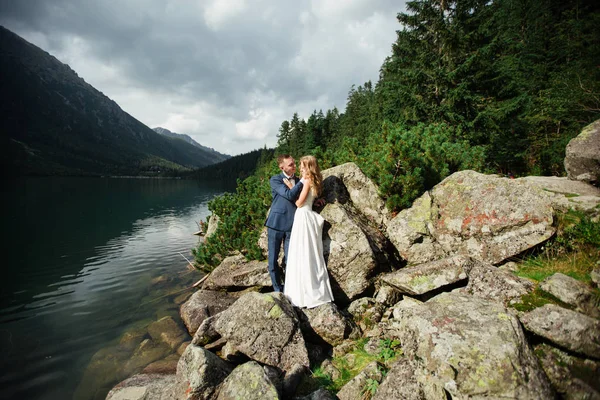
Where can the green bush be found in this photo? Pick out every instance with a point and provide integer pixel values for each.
(241, 216)
(407, 162)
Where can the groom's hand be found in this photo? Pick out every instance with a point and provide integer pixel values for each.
(320, 202)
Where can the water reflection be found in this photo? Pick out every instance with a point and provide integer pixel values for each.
(76, 284)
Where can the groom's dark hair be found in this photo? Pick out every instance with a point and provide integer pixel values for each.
(282, 157)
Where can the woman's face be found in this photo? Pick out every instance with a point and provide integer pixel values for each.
(302, 169)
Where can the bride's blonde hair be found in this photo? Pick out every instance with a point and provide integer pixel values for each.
(312, 166)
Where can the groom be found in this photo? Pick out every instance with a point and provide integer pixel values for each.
(280, 220)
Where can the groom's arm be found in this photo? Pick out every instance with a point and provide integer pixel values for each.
(281, 189)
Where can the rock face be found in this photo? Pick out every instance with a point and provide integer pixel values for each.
(265, 328)
(492, 283)
(483, 216)
(582, 159)
(566, 328)
(471, 347)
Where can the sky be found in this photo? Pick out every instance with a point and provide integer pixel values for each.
(225, 72)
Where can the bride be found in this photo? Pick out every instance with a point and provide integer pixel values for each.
(306, 279)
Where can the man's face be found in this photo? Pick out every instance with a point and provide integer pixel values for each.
(288, 166)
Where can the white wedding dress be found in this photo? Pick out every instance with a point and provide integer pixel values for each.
(306, 279)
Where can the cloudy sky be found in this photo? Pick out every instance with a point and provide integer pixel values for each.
(226, 72)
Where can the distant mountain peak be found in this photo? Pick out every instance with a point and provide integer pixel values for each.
(188, 139)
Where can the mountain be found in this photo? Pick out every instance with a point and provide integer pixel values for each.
(54, 123)
(211, 153)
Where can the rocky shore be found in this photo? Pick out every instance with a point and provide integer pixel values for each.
(437, 279)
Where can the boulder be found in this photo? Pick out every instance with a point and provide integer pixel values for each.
(483, 216)
(361, 191)
(406, 381)
(471, 347)
(430, 276)
(265, 328)
(572, 377)
(582, 158)
(146, 353)
(388, 295)
(166, 366)
(199, 373)
(568, 329)
(366, 312)
(327, 323)
(566, 194)
(353, 250)
(358, 386)
(204, 304)
(497, 284)
(168, 331)
(248, 381)
(572, 292)
(144, 387)
(236, 273)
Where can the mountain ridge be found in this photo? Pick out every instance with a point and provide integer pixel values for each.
(55, 123)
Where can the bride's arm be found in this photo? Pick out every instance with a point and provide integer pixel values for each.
(304, 192)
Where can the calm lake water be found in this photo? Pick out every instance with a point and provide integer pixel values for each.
(82, 258)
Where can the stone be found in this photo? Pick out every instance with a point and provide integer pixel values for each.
(569, 329)
(388, 295)
(265, 328)
(573, 377)
(249, 382)
(327, 323)
(572, 292)
(483, 216)
(357, 386)
(204, 304)
(168, 331)
(213, 224)
(235, 273)
(582, 158)
(429, 276)
(471, 347)
(492, 283)
(199, 373)
(144, 387)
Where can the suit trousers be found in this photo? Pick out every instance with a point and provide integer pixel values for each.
(275, 238)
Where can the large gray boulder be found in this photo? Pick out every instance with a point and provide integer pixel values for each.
(235, 273)
(496, 284)
(573, 292)
(204, 304)
(265, 328)
(483, 216)
(430, 276)
(582, 158)
(362, 192)
(249, 382)
(573, 377)
(199, 373)
(568, 329)
(145, 387)
(327, 323)
(406, 381)
(566, 194)
(472, 347)
(354, 252)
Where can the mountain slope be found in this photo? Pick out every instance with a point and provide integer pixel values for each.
(53, 122)
(210, 153)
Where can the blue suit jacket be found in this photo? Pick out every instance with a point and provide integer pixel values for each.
(283, 206)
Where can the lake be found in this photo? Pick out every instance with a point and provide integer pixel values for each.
(86, 259)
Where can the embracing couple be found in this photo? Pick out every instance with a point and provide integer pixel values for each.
(293, 223)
